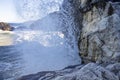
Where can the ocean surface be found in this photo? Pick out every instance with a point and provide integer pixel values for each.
(27, 52)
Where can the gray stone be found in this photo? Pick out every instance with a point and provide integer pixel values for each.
(90, 71)
(115, 68)
(100, 35)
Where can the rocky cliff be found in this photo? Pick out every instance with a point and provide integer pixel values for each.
(100, 36)
(97, 25)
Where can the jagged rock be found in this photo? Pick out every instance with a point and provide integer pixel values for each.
(90, 71)
(5, 27)
(115, 68)
(87, 5)
(100, 36)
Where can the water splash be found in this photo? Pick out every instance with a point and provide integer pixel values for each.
(36, 9)
(49, 43)
(46, 39)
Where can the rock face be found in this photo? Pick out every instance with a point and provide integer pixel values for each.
(100, 36)
(115, 68)
(90, 71)
(5, 27)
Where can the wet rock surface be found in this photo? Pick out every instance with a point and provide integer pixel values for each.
(100, 36)
(90, 71)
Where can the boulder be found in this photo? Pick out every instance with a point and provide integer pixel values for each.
(5, 27)
(115, 68)
(90, 71)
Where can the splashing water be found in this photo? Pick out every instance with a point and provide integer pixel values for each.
(36, 9)
(43, 48)
(46, 39)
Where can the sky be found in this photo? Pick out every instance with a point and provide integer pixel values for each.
(8, 12)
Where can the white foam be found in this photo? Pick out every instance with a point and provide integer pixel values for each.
(4, 66)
